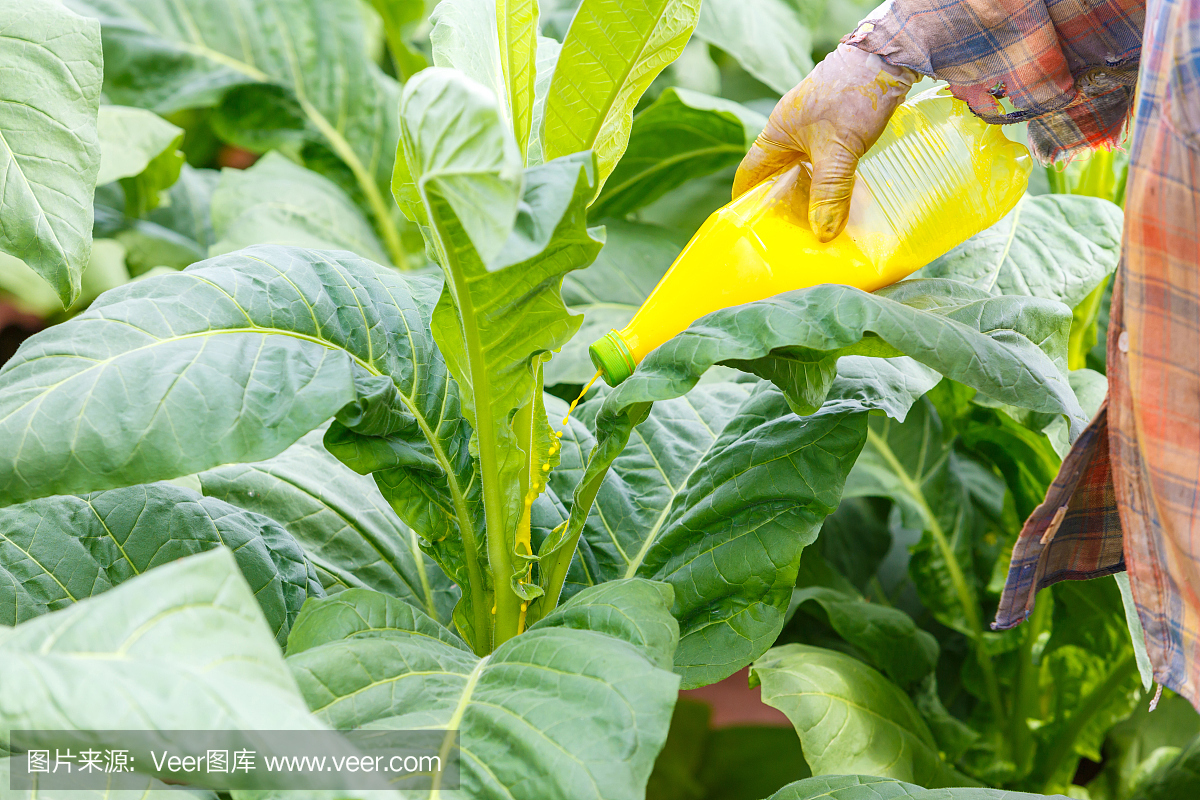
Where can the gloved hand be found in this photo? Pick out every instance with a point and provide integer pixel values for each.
(830, 119)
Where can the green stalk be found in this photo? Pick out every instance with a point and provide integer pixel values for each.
(1064, 744)
(381, 209)
(1083, 327)
(1097, 178)
(1026, 691)
(965, 598)
(405, 58)
(1058, 180)
(506, 606)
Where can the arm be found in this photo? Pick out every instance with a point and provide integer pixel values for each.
(1068, 67)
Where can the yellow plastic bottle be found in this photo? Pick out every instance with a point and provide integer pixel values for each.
(937, 176)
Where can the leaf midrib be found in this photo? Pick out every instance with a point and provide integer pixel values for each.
(663, 165)
(590, 140)
(631, 571)
(343, 149)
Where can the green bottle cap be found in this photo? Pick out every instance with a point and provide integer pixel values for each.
(612, 357)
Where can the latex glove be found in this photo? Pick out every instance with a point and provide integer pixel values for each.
(830, 119)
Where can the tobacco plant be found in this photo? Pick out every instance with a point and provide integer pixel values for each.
(295, 454)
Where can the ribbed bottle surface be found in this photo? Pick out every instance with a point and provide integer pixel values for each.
(936, 177)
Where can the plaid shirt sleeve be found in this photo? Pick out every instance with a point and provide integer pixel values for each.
(1128, 494)
(1068, 66)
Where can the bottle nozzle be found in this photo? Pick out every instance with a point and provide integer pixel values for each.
(612, 356)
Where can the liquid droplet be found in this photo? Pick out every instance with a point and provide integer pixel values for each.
(575, 402)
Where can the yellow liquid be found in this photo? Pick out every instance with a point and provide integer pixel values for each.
(936, 177)
(575, 402)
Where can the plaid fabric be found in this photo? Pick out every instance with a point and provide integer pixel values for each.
(1067, 66)
(1075, 534)
(1128, 493)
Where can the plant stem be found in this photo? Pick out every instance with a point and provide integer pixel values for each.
(966, 597)
(1026, 691)
(381, 210)
(505, 604)
(1064, 744)
(1083, 327)
(1058, 180)
(466, 529)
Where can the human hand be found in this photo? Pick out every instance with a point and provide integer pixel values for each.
(830, 119)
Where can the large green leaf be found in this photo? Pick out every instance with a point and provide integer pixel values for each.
(796, 339)
(150, 789)
(1011, 349)
(175, 234)
(141, 149)
(465, 37)
(501, 264)
(849, 717)
(364, 614)
(346, 527)
(182, 647)
(1054, 246)
(583, 694)
(517, 21)
(300, 61)
(767, 37)
(718, 495)
(547, 58)
(232, 360)
(610, 291)
(884, 637)
(51, 152)
(952, 500)
(682, 135)
(1088, 680)
(424, 467)
(494, 42)
(277, 201)
(455, 145)
(982, 794)
(612, 52)
(861, 787)
(59, 550)
(846, 787)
